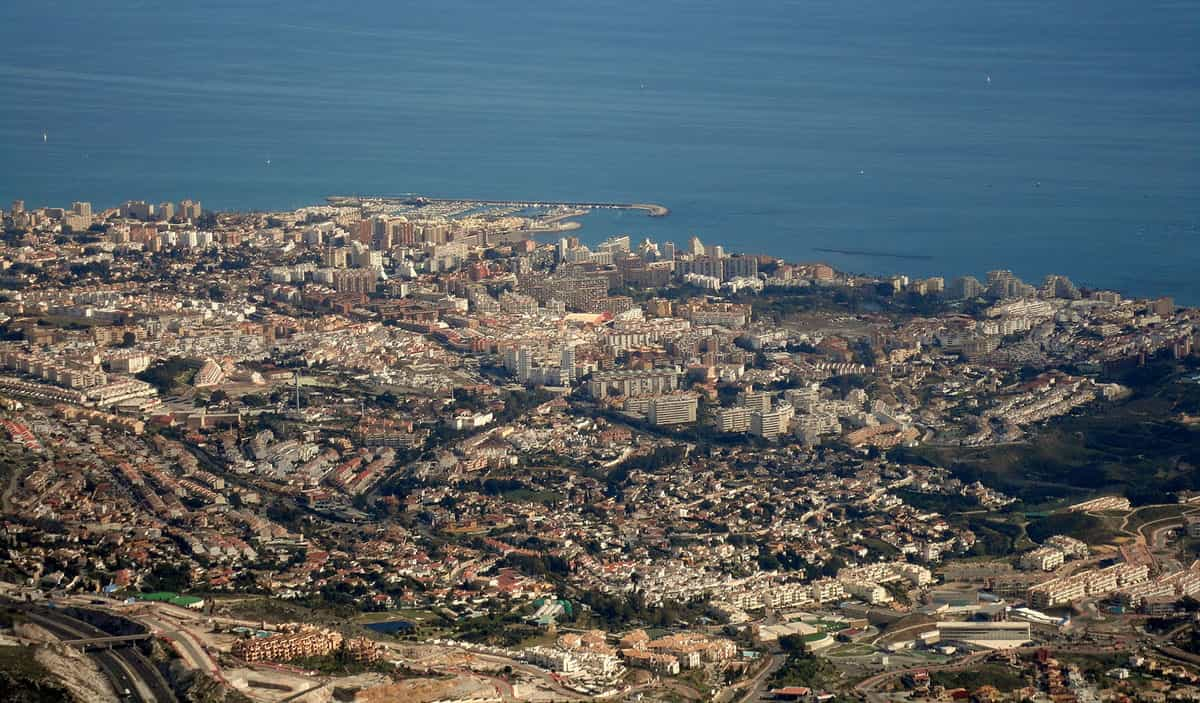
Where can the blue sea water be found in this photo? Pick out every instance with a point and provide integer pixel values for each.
(781, 127)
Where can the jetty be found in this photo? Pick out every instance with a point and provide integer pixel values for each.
(651, 209)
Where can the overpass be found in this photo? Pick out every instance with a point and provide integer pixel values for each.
(86, 643)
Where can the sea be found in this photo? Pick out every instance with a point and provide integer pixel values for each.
(925, 137)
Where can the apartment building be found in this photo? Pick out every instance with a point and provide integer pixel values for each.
(676, 409)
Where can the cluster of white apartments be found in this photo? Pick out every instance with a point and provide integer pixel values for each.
(866, 582)
(1093, 583)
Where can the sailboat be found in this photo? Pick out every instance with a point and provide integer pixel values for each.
(45, 136)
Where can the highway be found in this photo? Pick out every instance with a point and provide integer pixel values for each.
(125, 667)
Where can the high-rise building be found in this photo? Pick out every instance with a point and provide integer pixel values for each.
(965, 288)
(632, 383)
(648, 250)
(403, 232)
(741, 267)
(616, 245)
(675, 409)
(1003, 284)
(354, 280)
(755, 401)
(1059, 287)
(585, 293)
(772, 423)
(363, 232)
(79, 217)
(695, 246)
(1163, 307)
(733, 419)
(190, 210)
(568, 363)
(701, 266)
(524, 364)
(336, 257)
(137, 209)
(566, 244)
(166, 210)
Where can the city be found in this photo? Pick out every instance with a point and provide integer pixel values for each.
(426, 449)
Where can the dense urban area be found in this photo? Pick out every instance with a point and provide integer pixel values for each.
(436, 450)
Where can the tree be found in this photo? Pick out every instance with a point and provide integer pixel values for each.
(168, 577)
(253, 400)
(794, 644)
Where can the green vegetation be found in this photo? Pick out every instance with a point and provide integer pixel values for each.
(514, 490)
(992, 537)
(881, 548)
(1135, 449)
(1082, 526)
(315, 610)
(660, 458)
(24, 680)
(340, 663)
(779, 304)
(617, 611)
(167, 576)
(803, 668)
(937, 502)
(1002, 677)
(545, 565)
(167, 375)
(1093, 665)
(501, 630)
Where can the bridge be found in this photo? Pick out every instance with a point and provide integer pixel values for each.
(87, 643)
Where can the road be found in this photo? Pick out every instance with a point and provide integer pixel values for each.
(125, 667)
(503, 687)
(754, 687)
(917, 629)
(188, 646)
(532, 671)
(1140, 534)
(870, 686)
(300, 694)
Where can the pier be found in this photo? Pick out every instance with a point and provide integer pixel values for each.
(651, 209)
